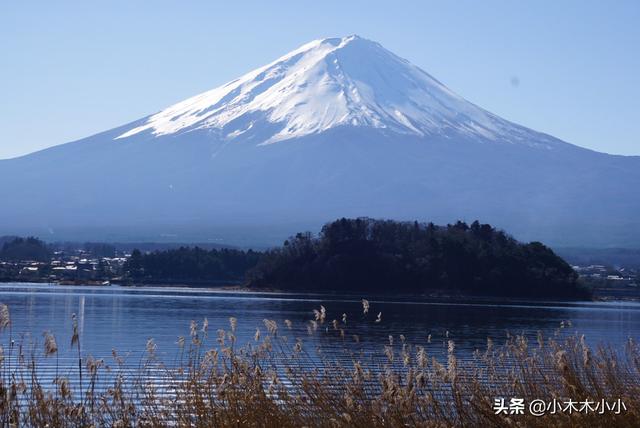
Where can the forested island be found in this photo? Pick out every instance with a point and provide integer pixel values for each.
(348, 255)
(384, 256)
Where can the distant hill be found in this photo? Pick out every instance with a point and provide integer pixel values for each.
(615, 257)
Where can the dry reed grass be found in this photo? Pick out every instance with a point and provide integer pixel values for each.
(276, 381)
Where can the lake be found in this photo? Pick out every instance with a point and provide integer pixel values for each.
(125, 318)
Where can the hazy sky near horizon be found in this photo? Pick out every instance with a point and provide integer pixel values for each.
(70, 69)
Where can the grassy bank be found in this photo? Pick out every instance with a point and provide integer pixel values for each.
(286, 381)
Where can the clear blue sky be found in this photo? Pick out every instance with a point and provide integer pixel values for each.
(71, 69)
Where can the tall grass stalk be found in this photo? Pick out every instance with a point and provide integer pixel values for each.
(277, 380)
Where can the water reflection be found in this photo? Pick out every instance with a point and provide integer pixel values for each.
(124, 319)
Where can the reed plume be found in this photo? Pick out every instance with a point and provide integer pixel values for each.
(275, 381)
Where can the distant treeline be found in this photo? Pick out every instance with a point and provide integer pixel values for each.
(367, 255)
(358, 255)
(15, 248)
(21, 249)
(190, 264)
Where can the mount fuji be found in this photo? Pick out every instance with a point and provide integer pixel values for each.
(338, 127)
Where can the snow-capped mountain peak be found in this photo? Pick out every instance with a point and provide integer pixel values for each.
(336, 128)
(327, 83)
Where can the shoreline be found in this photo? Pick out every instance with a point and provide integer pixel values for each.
(436, 296)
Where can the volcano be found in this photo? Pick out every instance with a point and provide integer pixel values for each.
(338, 127)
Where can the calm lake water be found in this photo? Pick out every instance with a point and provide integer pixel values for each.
(125, 318)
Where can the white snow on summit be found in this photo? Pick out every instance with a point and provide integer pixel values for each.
(327, 83)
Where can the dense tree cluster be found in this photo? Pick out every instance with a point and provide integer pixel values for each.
(25, 249)
(387, 256)
(190, 264)
(99, 249)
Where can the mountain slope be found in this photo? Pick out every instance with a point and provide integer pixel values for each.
(338, 127)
